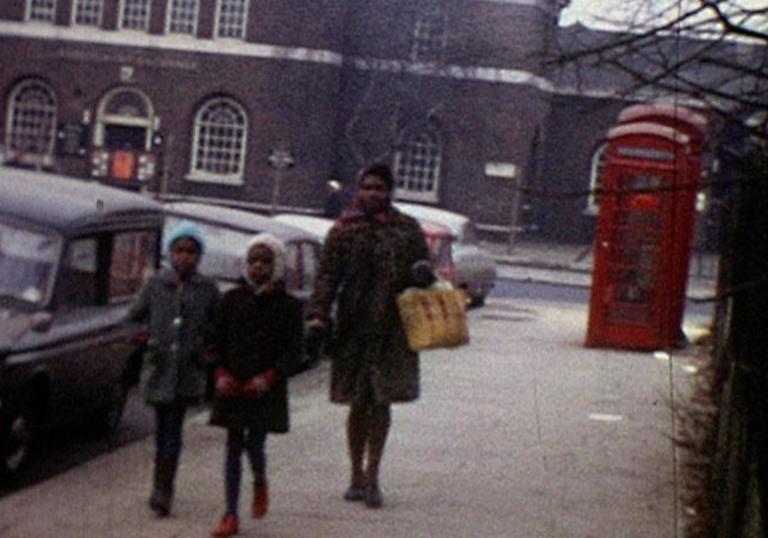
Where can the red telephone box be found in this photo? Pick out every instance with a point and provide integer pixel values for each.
(694, 125)
(637, 294)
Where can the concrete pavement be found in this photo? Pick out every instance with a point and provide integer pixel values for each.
(523, 433)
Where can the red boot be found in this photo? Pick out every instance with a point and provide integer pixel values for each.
(260, 501)
(227, 527)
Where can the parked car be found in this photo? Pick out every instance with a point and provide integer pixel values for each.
(227, 232)
(475, 268)
(73, 254)
(439, 239)
(317, 226)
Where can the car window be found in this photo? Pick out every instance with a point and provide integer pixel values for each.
(78, 281)
(441, 252)
(309, 265)
(469, 233)
(132, 262)
(27, 259)
(292, 272)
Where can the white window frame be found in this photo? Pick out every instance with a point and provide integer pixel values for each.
(77, 5)
(122, 19)
(34, 11)
(413, 146)
(103, 118)
(217, 29)
(169, 17)
(596, 171)
(430, 34)
(198, 170)
(49, 111)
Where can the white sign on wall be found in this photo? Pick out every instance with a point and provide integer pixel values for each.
(497, 169)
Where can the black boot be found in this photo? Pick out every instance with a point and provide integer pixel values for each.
(163, 485)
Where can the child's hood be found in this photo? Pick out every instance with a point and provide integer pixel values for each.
(278, 250)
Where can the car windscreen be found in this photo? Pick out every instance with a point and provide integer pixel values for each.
(468, 233)
(27, 262)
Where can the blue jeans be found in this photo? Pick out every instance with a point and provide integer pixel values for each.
(169, 420)
(253, 443)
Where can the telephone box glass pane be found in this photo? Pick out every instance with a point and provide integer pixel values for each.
(636, 247)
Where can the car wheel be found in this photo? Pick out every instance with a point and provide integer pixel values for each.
(108, 418)
(477, 301)
(16, 434)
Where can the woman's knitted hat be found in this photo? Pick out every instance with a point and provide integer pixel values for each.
(382, 171)
(278, 250)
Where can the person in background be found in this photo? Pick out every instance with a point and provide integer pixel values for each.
(178, 303)
(372, 253)
(334, 200)
(256, 346)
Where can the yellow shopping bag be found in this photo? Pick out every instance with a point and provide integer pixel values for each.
(434, 317)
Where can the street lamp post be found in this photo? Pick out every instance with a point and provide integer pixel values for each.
(280, 160)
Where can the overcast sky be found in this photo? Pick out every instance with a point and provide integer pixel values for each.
(608, 13)
(582, 11)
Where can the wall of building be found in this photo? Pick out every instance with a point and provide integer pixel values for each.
(333, 82)
(573, 131)
(285, 75)
(479, 122)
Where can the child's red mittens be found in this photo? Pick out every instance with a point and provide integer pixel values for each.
(259, 385)
(226, 385)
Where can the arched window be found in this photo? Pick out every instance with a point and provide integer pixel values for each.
(31, 122)
(231, 18)
(134, 14)
(596, 179)
(218, 149)
(429, 34)
(182, 17)
(417, 165)
(88, 12)
(124, 120)
(41, 10)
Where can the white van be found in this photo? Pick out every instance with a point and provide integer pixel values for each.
(317, 226)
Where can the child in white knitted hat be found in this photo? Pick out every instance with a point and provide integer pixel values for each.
(257, 344)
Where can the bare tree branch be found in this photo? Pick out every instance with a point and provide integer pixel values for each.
(712, 51)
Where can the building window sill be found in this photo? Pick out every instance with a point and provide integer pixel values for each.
(408, 196)
(203, 177)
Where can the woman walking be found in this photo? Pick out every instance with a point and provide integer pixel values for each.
(372, 253)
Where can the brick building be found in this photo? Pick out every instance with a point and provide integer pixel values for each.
(259, 103)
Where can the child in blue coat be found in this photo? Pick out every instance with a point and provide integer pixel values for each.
(178, 305)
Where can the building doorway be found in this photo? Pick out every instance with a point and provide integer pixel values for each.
(123, 148)
(125, 120)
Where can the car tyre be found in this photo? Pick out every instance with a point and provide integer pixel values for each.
(108, 418)
(16, 437)
(477, 301)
